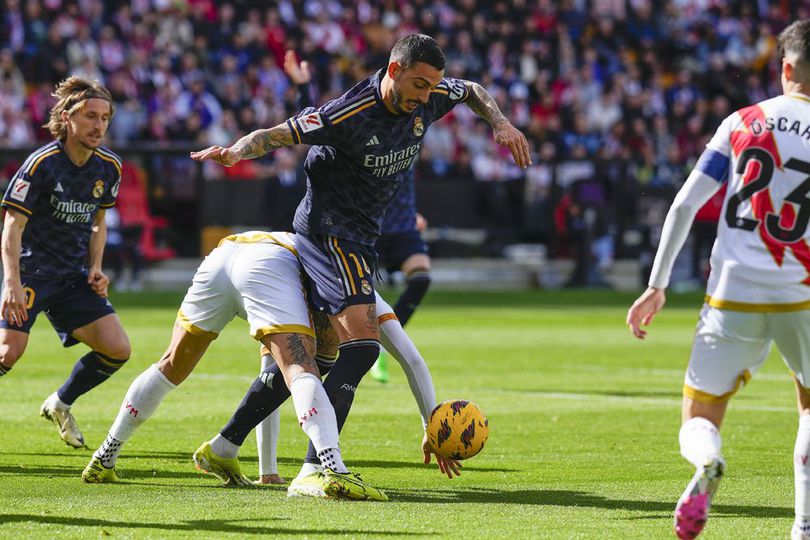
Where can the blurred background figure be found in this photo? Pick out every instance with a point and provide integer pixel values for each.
(123, 253)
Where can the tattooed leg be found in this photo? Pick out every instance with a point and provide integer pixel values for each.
(294, 354)
(294, 359)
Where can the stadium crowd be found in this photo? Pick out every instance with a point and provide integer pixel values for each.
(633, 81)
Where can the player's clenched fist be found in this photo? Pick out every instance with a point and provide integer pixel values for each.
(98, 281)
(220, 154)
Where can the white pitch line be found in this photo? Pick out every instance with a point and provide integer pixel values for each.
(594, 398)
(636, 400)
(222, 377)
(785, 377)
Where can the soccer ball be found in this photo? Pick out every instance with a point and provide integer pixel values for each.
(457, 429)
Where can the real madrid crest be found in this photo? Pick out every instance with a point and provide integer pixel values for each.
(418, 127)
(98, 189)
(366, 287)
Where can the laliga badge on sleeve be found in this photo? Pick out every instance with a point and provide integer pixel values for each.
(20, 191)
(311, 122)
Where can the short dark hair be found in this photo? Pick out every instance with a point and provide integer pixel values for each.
(795, 39)
(418, 48)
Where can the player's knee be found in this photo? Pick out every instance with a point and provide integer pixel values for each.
(9, 354)
(802, 396)
(713, 412)
(419, 277)
(325, 362)
(357, 322)
(119, 350)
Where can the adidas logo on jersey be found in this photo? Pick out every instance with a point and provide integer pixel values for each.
(58, 187)
(372, 141)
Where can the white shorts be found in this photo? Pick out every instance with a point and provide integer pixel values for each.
(259, 282)
(730, 346)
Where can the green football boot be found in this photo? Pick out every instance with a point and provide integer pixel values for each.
(97, 473)
(379, 371)
(226, 469)
(349, 486)
(310, 485)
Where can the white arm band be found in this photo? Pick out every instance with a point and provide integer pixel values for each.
(696, 192)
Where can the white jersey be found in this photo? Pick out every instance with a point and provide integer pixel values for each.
(761, 258)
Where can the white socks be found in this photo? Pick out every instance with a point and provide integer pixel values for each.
(53, 402)
(316, 416)
(308, 468)
(142, 399)
(223, 447)
(801, 470)
(267, 434)
(108, 451)
(700, 441)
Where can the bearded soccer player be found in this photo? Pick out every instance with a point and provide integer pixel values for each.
(400, 245)
(759, 287)
(53, 245)
(350, 184)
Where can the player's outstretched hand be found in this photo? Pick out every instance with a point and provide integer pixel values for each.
(508, 135)
(297, 72)
(13, 304)
(98, 281)
(220, 154)
(643, 310)
(450, 467)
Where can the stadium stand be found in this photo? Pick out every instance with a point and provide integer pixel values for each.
(621, 94)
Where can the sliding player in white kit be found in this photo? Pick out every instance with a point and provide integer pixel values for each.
(759, 287)
(256, 276)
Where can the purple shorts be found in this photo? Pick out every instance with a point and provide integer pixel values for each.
(340, 272)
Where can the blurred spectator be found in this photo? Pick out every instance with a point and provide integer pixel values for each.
(122, 250)
(10, 72)
(82, 48)
(199, 102)
(639, 82)
(580, 141)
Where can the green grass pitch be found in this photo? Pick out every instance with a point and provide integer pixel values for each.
(583, 434)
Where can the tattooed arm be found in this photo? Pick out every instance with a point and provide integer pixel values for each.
(251, 146)
(483, 104)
